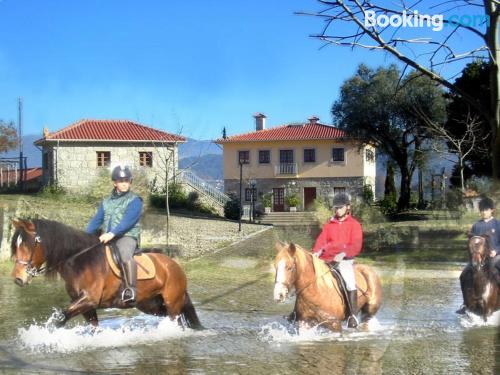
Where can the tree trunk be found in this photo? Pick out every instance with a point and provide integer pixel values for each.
(405, 188)
(492, 10)
(461, 164)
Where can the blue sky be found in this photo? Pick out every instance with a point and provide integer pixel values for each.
(189, 67)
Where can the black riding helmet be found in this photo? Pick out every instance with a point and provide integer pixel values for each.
(341, 199)
(121, 171)
(486, 203)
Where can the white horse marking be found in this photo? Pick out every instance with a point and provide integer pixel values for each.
(19, 240)
(280, 272)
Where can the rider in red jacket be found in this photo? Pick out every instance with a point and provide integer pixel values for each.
(339, 242)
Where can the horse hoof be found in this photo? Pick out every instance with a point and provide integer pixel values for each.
(59, 318)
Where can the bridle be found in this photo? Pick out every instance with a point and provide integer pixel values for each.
(37, 271)
(474, 250)
(30, 269)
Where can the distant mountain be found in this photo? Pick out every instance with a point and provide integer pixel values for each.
(208, 167)
(197, 148)
(33, 154)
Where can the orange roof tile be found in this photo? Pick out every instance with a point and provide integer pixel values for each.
(290, 132)
(110, 130)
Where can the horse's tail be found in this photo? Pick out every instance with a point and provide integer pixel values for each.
(190, 314)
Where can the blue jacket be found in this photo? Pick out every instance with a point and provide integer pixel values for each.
(492, 228)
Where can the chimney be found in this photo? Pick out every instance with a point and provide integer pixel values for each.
(313, 120)
(45, 132)
(260, 121)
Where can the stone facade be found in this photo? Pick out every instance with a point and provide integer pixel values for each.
(73, 165)
(325, 187)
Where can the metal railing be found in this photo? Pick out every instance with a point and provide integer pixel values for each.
(203, 186)
(285, 168)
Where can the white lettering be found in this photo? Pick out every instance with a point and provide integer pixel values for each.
(370, 20)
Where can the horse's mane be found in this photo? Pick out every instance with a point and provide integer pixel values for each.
(323, 274)
(60, 242)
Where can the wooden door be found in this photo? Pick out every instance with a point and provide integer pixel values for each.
(278, 199)
(309, 197)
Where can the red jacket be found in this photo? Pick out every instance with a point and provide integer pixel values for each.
(339, 236)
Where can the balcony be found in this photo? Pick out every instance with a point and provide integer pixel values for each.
(285, 169)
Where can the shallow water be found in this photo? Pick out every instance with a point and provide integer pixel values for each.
(415, 332)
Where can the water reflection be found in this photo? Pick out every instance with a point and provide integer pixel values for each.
(418, 331)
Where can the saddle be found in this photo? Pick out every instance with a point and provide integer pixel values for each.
(145, 266)
(340, 282)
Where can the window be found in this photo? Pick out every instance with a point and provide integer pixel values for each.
(338, 190)
(370, 156)
(286, 156)
(309, 155)
(103, 158)
(264, 157)
(248, 194)
(145, 159)
(244, 157)
(337, 154)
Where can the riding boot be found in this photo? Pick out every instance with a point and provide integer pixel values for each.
(352, 321)
(130, 278)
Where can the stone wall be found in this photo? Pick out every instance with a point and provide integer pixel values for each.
(324, 187)
(74, 164)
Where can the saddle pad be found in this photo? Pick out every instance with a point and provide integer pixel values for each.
(145, 267)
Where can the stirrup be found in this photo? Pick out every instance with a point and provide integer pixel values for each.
(126, 291)
(356, 321)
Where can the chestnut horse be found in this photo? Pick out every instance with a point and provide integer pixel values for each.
(482, 294)
(44, 246)
(319, 300)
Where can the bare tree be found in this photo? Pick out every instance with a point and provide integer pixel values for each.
(401, 31)
(462, 145)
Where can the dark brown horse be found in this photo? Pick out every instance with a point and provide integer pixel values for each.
(49, 245)
(319, 300)
(481, 293)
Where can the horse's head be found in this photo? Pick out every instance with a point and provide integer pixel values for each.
(479, 248)
(286, 271)
(27, 251)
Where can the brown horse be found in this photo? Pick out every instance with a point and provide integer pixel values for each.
(40, 245)
(481, 291)
(318, 297)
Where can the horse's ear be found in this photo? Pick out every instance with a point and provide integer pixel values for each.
(24, 224)
(292, 248)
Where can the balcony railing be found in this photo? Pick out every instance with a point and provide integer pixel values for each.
(285, 169)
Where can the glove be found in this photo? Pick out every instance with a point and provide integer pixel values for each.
(318, 253)
(339, 257)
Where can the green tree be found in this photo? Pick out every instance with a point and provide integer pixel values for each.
(383, 107)
(8, 136)
(475, 80)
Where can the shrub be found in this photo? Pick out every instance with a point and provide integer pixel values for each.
(388, 205)
(292, 200)
(232, 208)
(193, 201)
(367, 194)
(267, 200)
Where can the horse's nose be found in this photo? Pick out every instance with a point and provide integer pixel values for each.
(19, 281)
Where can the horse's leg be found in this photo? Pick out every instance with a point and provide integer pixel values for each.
(80, 306)
(91, 317)
(174, 301)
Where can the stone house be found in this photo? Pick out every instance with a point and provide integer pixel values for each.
(76, 155)
(310, 160)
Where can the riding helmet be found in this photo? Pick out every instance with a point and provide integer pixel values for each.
(486, 203)
(341, 199)
(121, 171)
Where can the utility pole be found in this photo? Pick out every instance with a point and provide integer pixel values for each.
(20, 143)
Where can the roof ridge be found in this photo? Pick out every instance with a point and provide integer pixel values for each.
(282, 126)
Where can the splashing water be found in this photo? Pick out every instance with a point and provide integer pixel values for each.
(115, 332)
(470, 320)
(280, 333)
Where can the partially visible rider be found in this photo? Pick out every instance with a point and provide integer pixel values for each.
(339, 242)
(118, 218)
(487, 225)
